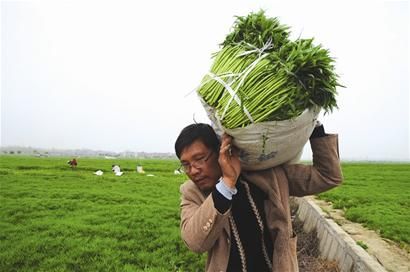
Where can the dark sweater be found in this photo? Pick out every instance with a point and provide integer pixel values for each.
(246, 222)
(248, 228)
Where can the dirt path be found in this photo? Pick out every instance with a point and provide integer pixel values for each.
(386, 252)
(308, 253)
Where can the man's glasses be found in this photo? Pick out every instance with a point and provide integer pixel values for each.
(198, 163)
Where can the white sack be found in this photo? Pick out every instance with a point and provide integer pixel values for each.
(99, 173)
(268, 144)
(140, 169)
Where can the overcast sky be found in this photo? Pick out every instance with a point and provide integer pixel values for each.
(119, 75)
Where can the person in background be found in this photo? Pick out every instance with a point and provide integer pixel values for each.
(242, 218)
(73, 163)
(117, 170)
(140, 169)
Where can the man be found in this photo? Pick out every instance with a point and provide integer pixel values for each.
(73, 163)
(242, 218)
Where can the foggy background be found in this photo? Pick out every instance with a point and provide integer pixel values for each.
(119, 75)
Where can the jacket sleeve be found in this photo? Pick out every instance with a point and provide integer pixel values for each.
(201, 223)
(325, 173)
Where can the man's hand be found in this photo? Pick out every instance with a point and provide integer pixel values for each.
(229, 161)
(318, 131)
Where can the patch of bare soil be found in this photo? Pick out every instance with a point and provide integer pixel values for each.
(308, 251)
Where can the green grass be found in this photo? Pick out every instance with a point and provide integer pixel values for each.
(57, 219)
(378, 196)
(53, 218)
(362, 244)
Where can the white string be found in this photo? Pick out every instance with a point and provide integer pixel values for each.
(222, 75)
(266, 46)
(245, 73)
(242, 76)
(233, 96)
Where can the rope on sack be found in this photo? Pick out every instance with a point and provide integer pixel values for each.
(241, 76)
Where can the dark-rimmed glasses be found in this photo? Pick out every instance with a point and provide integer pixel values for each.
(198, 163)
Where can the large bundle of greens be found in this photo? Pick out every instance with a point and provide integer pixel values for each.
(261, 75)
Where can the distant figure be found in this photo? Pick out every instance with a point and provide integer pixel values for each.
(140, 169)
(117, 170)
(72, 163)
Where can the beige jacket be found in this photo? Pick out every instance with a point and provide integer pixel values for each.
(204, 229)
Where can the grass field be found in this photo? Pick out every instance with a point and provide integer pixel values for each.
(57, 219)
(378, 196)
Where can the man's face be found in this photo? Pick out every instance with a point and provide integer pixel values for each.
(202, 165)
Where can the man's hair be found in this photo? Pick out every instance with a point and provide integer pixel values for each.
(197, 131)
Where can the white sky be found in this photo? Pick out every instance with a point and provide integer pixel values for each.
(114, 75)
